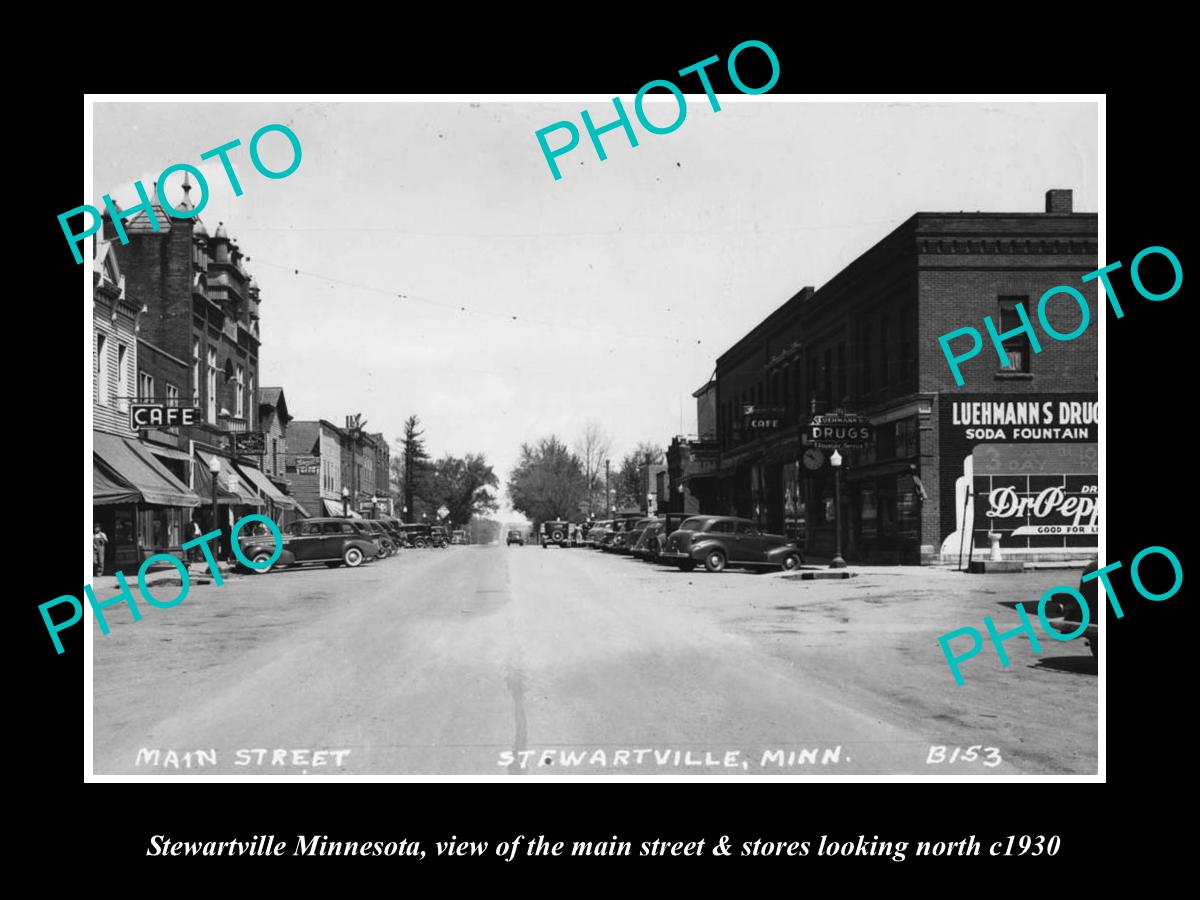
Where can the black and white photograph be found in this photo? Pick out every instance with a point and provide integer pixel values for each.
(672, 436)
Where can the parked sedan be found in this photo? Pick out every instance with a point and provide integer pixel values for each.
(723, 541)
(596, 534)
(332, 541)
(633, 535)
(387, 546)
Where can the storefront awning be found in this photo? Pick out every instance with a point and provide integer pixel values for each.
(168, 453)
(334, 508)
(265, 487)
(131, 474)
(108, 488)
(232, 488)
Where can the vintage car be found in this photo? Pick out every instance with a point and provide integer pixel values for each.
(387, 544)
(458, 537)
(556, 532)
(514, 537)
(333, 541)
(622, 528)
(1066, 616)
(630, 538)
(417, 534)
(396, 529)
(723, 541)
(596, 534)
(439, 535)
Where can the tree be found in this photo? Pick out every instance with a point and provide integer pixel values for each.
(548, 482)
(592, 448)
(416, 466)
(632, 483)
(461, 485)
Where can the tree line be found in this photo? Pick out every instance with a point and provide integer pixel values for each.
(554, 481)
(421, 485)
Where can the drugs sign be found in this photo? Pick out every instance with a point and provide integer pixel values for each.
(840, 431)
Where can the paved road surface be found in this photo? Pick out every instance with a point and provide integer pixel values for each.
(494, 660)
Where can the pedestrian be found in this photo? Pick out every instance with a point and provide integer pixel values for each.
(194, 551)
(99, 542)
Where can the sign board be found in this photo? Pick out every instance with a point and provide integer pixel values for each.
(840, 430)
(307, 465)
(443, 512)
(762, 418)
(248, 443)
(160, 415)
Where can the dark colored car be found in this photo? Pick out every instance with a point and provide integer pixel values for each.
(417, 534)
(595, 533)
(439, 535)
(395, 528)
(1066, 615)
(556, 532)
(723, 541)
(622, 529)
(333, 541)
(387, 543)
(632, 536)
(515, 537)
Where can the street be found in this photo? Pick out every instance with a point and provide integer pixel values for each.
(492, 660)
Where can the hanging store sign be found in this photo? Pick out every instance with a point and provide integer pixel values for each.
(762, 418)
(308, 465)
(840, 430)
(248, 443)
(160, 415)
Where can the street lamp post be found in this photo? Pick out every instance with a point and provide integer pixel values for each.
(214, 469)
(607, 496)
(836, 462)
(345, 501)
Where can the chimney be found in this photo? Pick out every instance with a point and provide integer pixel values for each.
(1058, 200)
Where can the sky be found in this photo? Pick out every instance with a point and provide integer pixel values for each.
(423, 260)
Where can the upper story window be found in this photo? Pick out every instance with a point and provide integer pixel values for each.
(239, 386)
(122, 377)
(884, 349)
(145, 386)
(195, 373)
(864, 368)
(212, 385)
(172, 394)
(102, 369)
(1016, 348)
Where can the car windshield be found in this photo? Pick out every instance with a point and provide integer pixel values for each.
(692, 525)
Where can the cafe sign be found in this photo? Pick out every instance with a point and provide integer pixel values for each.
(762, 418)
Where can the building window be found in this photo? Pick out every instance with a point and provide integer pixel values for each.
(908, 359)
(253, 402)
(274, 456)
(907, 432)
(122, 377)
(841, 372)
(883, 353)
(239, 386)
(1016, 348)
(196, 374)
(212, 385)
(827, 379)
(145, 386)
(865, 366)
(172, 394)
(102, 370)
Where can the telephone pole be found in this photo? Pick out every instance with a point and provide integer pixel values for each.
(607, 495)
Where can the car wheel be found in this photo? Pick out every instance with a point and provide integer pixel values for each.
(352, 557)
(262, 563)
(420, 545)
(686, 565)
(791, 562)
(714, 561)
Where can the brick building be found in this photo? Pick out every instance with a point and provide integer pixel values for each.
(932, 478)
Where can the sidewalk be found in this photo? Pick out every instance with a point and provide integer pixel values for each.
(198, 573)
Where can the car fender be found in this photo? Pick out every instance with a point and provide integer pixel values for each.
(699, 548)
(775, 554)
